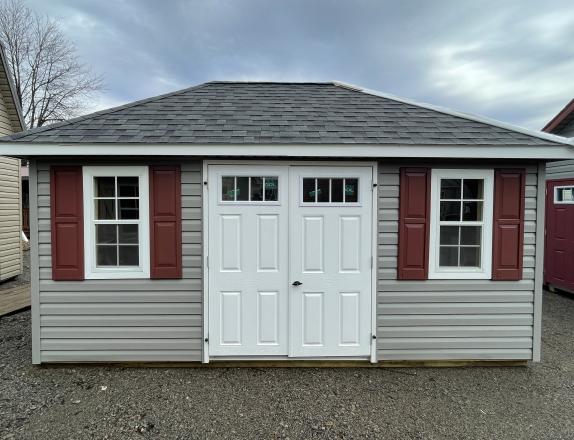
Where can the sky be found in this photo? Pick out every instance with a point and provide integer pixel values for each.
(512, 60)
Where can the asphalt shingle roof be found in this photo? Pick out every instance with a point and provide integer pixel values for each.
(275, 113)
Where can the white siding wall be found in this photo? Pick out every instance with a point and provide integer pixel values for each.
(451, 319)
(122, 320)
(10, 212)
(10, 218)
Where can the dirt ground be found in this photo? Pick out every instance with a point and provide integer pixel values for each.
(535, 402)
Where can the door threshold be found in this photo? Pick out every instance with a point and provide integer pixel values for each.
(289, 359)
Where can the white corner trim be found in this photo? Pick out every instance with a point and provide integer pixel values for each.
(468, 116)
(485, 272)
(557, 152)
(91, 271)
(539, 263)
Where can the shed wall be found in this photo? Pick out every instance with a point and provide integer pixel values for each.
(161, 320)
(563, 169)
(10, 216)
(451, 319)
(122, 320)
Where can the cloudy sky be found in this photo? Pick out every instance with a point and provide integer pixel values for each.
(510, 60)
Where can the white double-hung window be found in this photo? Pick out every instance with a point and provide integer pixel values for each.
(461, 224)
(116, 222)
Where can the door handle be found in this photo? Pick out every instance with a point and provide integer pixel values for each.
(296, 283)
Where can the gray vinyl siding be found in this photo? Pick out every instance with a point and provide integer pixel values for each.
(10, 219)
(451, 319)
(122, 320)
(563, 169)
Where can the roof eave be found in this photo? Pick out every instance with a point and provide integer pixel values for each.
(562, 115)
(537, 152)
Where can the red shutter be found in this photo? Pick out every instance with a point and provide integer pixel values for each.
(508, 224)
(67, 222)
(165, 221)
(414, 214)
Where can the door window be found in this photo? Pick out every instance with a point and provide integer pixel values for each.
(564, 195)
(327, 190)
(249, 188)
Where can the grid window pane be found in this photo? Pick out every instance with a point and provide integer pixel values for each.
(227, 188)
(308, 190)
(450, 188)
(337, 190)
(450, 211)
(351, 190)
(472, 189)
(449, 234)
(128, 256)
(472, 211)
(128, 234)
(470, 256)
(470, 235)
(128, 186)
(448, 256)
(105, 209)
(106, 255)
(106, 234)
(256, 189)
(323, 190)
(242, 189)
(128, 209)
(271, 189)
(105, 186)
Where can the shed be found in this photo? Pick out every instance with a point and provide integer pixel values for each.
(10, 183)
(559, 260)
(254, 221)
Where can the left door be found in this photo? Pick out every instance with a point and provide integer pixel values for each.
(248, 258)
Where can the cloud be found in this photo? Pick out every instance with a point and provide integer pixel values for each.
(510, 60)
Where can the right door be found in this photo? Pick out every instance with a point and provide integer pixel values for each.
(330, 261)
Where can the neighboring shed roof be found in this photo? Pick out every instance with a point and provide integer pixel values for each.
(8, 91)
(238, 113)
(562, 120)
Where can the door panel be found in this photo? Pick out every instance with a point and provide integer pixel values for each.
(559, 255)
(259, 247)
(330, 255)
(248, 273)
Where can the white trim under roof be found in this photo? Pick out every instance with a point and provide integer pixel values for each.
(447, 111)
(541, 152)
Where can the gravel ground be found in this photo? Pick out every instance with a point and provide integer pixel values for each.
(20, 279)
(535, 402)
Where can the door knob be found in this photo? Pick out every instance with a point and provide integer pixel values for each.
(296, 283)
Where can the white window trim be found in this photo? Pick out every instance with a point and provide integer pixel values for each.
(485, 271)
(91, 271)
(562, 202)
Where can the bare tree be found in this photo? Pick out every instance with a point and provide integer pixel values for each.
(51, 82)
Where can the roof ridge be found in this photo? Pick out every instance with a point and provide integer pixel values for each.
(105, 111)
(463, 115)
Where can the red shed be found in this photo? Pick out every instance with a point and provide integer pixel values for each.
(559, 260)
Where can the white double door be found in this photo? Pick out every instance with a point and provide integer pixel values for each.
(289, 261)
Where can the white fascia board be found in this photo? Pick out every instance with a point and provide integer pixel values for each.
(557, 152)
(469, 116)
